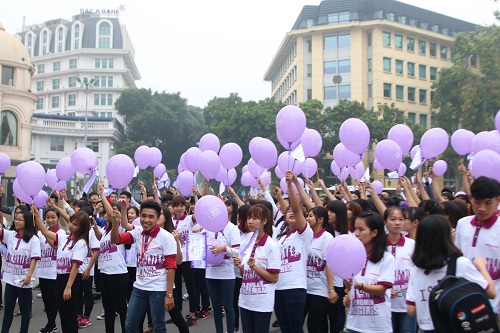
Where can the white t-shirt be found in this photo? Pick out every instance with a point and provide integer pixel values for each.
(229, 237)
(46, 267)
(19, 256)
(484, 240)
(130, 255)
(110, 259)
(244, 238)
(257, 294)
(402, 252)
(316, 264)
(183, 226)
(369, 313)
(66, 256)
(294, 247)
(421, 284)
(94, 246)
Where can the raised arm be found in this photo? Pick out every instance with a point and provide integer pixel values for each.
(465, 179)
(154, 188)
(421, 188)
(41, 226)
(267, 196)
(235, 196)
(300, 220)
(105, 203)
(314, 194)
(376, 199)
(435, 187)
(321, 184)
(278, 193)
(345, 190)
(409, 192)
(306, 200)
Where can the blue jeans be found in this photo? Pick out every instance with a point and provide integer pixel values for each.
(403, 322)
(289, 306)
(137, 309)
(24, 296)
(255, 322)
(221, 294)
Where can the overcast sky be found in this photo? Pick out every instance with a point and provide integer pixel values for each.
(208, 48)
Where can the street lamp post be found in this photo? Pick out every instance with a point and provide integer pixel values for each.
(87, 85)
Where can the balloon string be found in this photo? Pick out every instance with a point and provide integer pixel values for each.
(293, 165)
(33, 203)
(317, 173)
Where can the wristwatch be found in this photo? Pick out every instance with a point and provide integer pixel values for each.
(169, 295)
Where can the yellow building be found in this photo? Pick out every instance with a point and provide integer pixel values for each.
(373, 51)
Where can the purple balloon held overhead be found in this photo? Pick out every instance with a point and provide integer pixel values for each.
(290, 123)
(287, 162)
(230, 177)
(32, 179)
(486, 163)
(142, 157)
(209, 141)
(311, 142)
(335, 168)
(355, 135)
(388, 154)
(64, 169)
(209, 164)
(264, 153)
(485, 140)
(461, 141)
(439, 167)
(309, 167)
(160, 169)
(377, 186)
(230, 155)
(19, 193)
(4, 162)
(191, 159)
(377, 166)
(280, 174)
(84, 160)
(433, 143)
(247, 178)
(287, 145)
(40, 199)
(120, 170)
(156, 157)
(402, 135)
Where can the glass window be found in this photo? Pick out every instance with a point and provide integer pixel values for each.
(104, 36)
(390, 16)
(56, 83)
(411, 69)
(433, 93)
(309, 46)
(97, 62)
(309, 23)
(421, 46)
(71, 99)
(110, 99)
(411, 94)
(309, 94)
(402, 19)
(344, 66)
(399, 67)
(55, 101)
(370, 90)
(444, 52)
(94, 145)
(343, 17)
(473, 60)
(410, 44)
(110, 81)
(387, 90)
(344, 41)
(56, 66)
(333, 18)
(370, 65)
(111, 63)
(309, 70)
(411, 118)
(387, 64)
(345, 91)
(329, 42)
(71, 114)
(72, 63)
(330, 92)
(400, 91)
(423, 120)
(72, 81)
(422, 72)
(433, 73)
(422, 96)
(56, 143)
(330, 67)
(386, 38)
(369, 37)
(7, 75)
(432, 49)
(76, 37)
(40, 85)
(39, 103)
(398, 41)
(40, 68)
(8, 130)
(96, 99)
(103, 99)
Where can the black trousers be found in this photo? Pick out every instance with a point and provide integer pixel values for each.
(114, 299)
(184, 271)
(48, 288)
(85, 296)
(68, 310)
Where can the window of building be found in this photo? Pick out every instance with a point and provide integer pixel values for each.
(71, 114)
(370, 90)
(473, 60)
(421, 46)
(56, 66)
(432, 49)
(400, 92)
(338, 17)
(104, 63)
(72, 81)
(94, 145)
(103, 99)
(433, 72)
(7, 75)
(104, 37)
(422, 72)
(344, 40)
(40, 68)
(56, 143)
(369, 37)
(399, 67)
(8, 129)
(422, 96)
(56, 84)
(330, 92)
(44, 45)
(444, 52)
(411, 94)
(411, 118)
(330, 42)
(60, 40)
(330, 67)
(55, 101)
(344, 66)
(390, 16)
(76, 36)
(29, 44)
(343, 17)
(72, 63)
(71, 99)
(387, 64)
(309, 70)
(402, 19)
(370, 65)
(40, 85)
(308, 46)
(423, 120)
(309, 23)
(398, 41)
(387, 90)
(309, 94)
(410, 44)
(424, 25)
(386, 38)
(411, 69)
(345, 91)
(39, 103)
(433, 93)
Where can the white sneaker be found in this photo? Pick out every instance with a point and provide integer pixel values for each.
(39, 295)
(101, 316)
(185, 297)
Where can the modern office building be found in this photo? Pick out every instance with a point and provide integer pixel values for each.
(372, 51)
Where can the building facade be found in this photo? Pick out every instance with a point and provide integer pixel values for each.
(372, 51)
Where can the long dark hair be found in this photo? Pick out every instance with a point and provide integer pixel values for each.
(169, 224)
(379, 243)
(29, 228)
(340, 210)
(433, 245)
(260, 211)
(84, 224)
(453, 211)
(234, 214)
(321, 212)
(242, 218)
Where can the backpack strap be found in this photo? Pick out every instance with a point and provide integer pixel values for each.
(451, 269)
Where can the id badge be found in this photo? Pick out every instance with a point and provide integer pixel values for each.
(140, 274)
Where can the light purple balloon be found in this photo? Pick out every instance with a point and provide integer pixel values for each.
(19, 168)
(120, 170)
(230, 177)
(209, 164)
(40, 199)
(255, 169)
(211, 213)
(414, 151)
(247, 179)
(285, 144)
(357, 171)
(32, 178)
(84, 160)
(60, 185)
(230, 155)
(402, 135)
(377, 166)
(335, 168)
(433, 143)
(345, 256)
(401, 170)
(64, 169)
(191, 159)
(309, 167)
(485, 140)
(344, 174)
(355, 135)
(377, 186)
(287, 162)
(179, 168)
(51, 178)
(142, 157)
(264, 153)
(439, 167)
(184, 182)
(497, 121)
(19, 193)
(486, 163)
(290, 123)
(461, 141)
(209, 141)
(311, 142)
(388, 154)
(221, 174)
(160, 170)
(344, 156)
(4, 162)
(284, 185)
(280, 174)
(244, 169)
(156, 157)
(213, 258)
(266, 178)
(181, 162)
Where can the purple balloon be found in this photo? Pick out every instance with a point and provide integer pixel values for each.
(377, 166)
(285, 144)
(209, 141)
(4, 162)
(40, 199)
(284, 185)
(287, 162)
(280, 174)
(290, 123)
(181, 162)
(309, 167)
(346, 256)
(120, 171)
(357, 171)
(209, 164)
(335, 168)
(160, 170)
(32, 178)
(414, 151)
(247, 179)
(344, 156)
(485, 140)
(19, 193)
(433, 143)
(51, 178)
(266, 178)
(388, 154)
(439, 167)
(255, 169)
(311, 142)
(191, 159)
(156, 157)
(64, 169)
(19, 168)
(355, 135)
(461, 141)
(60, 185)
(211, 213)
(344, 174)
(230, 177)
(84, 160)
(230, 155)
(142, 157)
(213, 258)
(179, 168)
(401, 170)
(221, 174)
(497, 121)
(264, 153)
(244, 169)
(402, 135)
(377, 186)
(486, 163)
(184, 182)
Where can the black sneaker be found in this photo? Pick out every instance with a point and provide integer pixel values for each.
(97, 296)
(191, 321)
(202, 314)
(276, 323)
(48, 330)
(1, 306)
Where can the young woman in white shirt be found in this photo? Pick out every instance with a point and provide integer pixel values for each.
(130, 253)
(23, 252)
(369, 297)
(433, 249)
